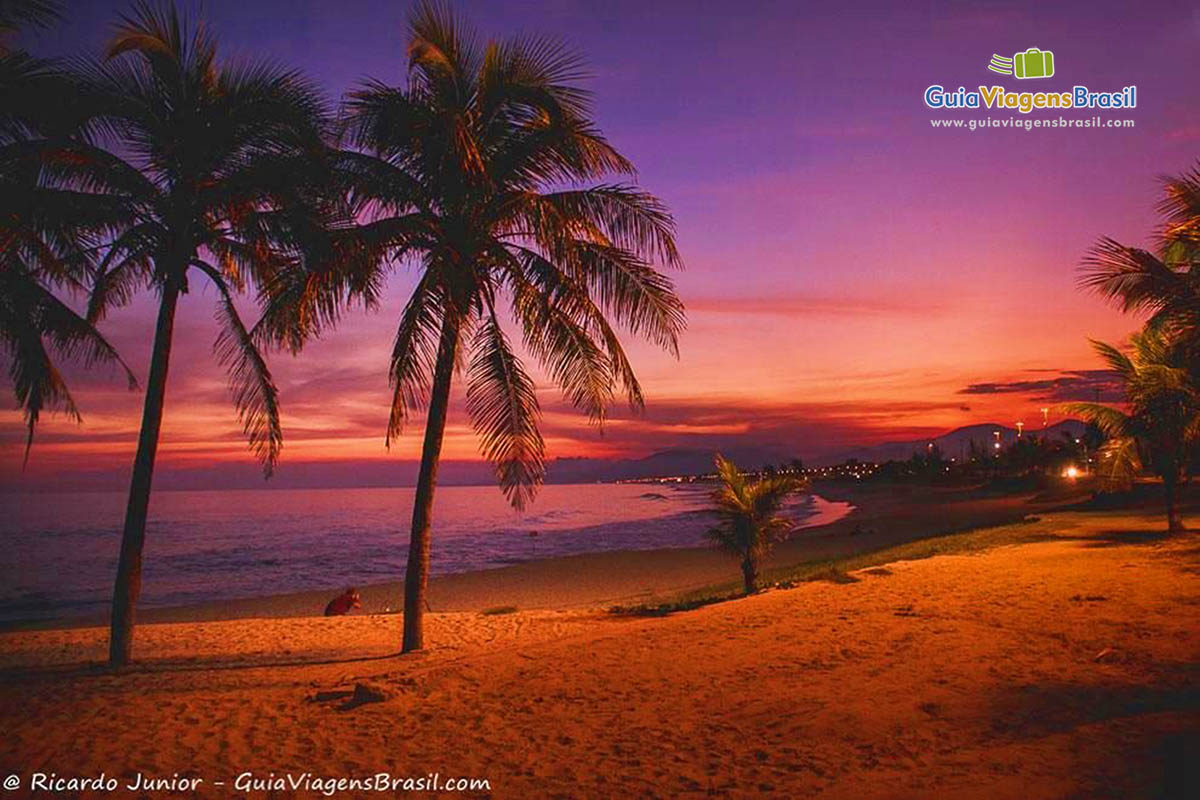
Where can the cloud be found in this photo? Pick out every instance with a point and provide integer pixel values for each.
(1078, 384)
(1183, 133)
(801, 428)
(807, 304)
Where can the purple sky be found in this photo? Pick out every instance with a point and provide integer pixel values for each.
(850, 269)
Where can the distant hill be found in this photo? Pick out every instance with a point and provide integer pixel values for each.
(693, 461)
(955, 443)
(381, 473)
(675, 461)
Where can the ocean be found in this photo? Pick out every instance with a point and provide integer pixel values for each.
(61, 549)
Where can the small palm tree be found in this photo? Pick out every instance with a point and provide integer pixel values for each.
(1159, 428)
(750, 523)
(482, 171)
(217, 170)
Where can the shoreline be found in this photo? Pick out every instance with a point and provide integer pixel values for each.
(883, 515)
(1061, 658)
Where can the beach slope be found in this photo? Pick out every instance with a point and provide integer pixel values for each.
(1061, 668)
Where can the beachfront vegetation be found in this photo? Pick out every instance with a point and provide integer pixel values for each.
(158, 165)
(202, 170)
(1164, 282)
(483, 170)
(1159, 426)
(841, 570)
(749, 522)
(48, 233)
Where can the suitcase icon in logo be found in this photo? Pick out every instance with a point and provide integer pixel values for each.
(1033, 63)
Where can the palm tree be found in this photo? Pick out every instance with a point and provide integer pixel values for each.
(1181, 210)
(1160, 427)
(482, 171)
(41, 254)
(45, 234)
(217, 168)
(1164, 282)
(749, 520)
(17, 14)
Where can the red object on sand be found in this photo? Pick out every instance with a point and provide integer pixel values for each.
(343, 603)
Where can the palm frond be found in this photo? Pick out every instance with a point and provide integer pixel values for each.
(634, 293)
(1115, 359)
(443, 52)
(32, 323)
(730, 494)
(170, 44)
(254, 392)
(1132, 278)
(1120, 462)
(558, 324)
(630, 219)
(748, 512)
(503, 406)
(413, 354)
(1180, 207)
(1161, 413)
(38, 97)
(18, 14)
(531, 78)
(1113, 421)
(304, 299)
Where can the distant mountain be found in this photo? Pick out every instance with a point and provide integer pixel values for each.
(676, 461)
(693, 461)
(956, 443)
(384, 473)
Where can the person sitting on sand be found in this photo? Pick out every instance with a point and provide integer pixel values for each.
(344, 603)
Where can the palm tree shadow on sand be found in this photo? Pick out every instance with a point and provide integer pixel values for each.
(1124, 537)
(165, 666)
(1165, 744)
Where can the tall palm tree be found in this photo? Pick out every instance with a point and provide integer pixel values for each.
(218, 168)
(43, 253)
(483, 171)
(45, 234)
(749, 522)
(18, 14)
(1166, 281)
(1159, 428)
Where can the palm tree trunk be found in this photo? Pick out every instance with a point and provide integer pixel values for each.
(1170, 488)
(750, 575)
(129, 567)
(416, 574)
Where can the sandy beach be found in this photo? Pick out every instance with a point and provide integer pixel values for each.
(1061, 668)
(661, 401)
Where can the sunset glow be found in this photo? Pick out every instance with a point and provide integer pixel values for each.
(853, 276)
